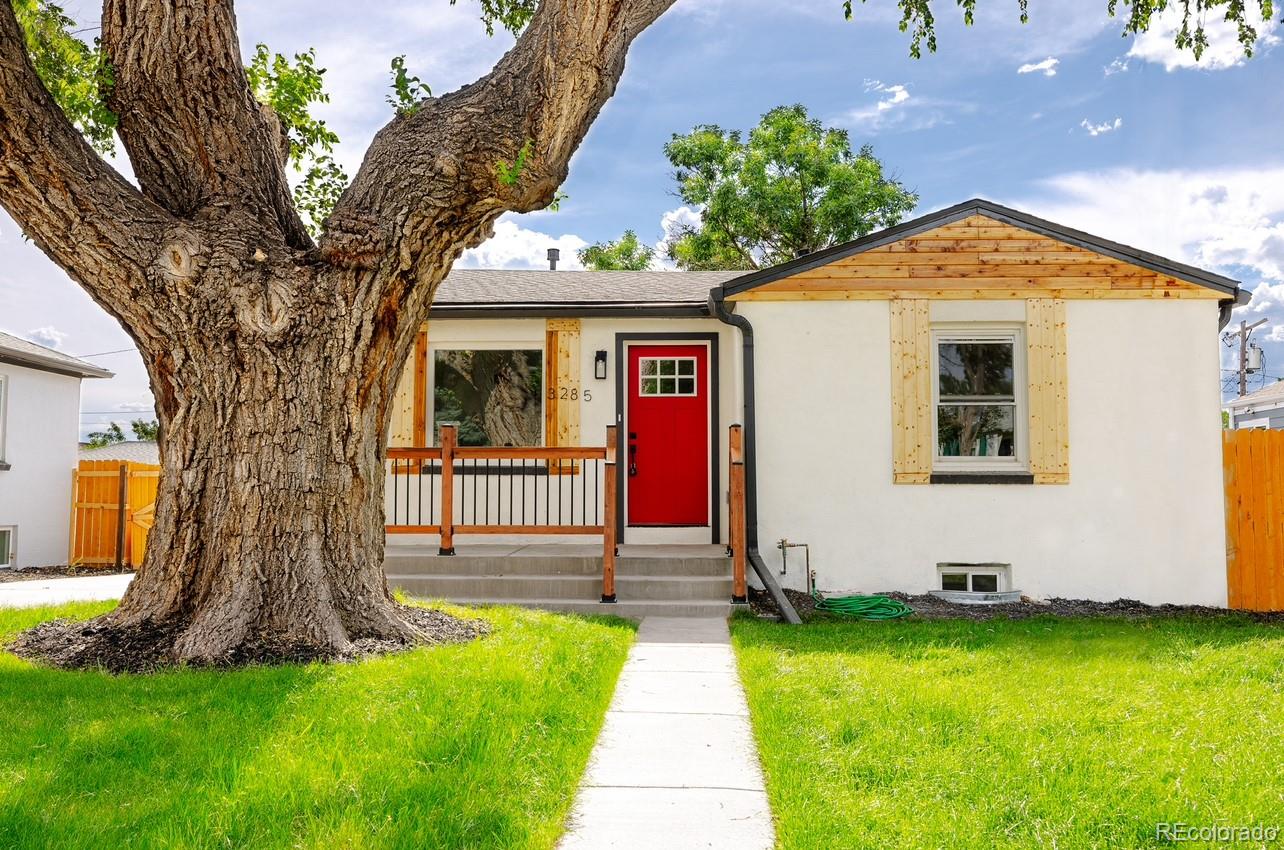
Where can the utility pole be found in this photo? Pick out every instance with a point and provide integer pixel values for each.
(1244, 332)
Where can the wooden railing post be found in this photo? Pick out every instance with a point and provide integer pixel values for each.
(449, 434)
(608, 518)
(736, 511)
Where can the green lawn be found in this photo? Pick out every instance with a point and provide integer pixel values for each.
(1020, 734)
(478, 745)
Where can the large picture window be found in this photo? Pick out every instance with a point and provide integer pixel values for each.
(496, 395)
(977, 398)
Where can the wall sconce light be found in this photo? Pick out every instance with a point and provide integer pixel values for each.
(599, 365)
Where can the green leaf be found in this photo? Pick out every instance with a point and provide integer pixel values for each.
(319, 191)
(510, 173)
(75, 73)
(290, 89)
(407, 90)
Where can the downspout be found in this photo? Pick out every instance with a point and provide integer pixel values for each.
(718, 309)
(1242, 297)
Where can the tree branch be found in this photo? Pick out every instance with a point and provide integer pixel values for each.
(430, 184)
(196, 137)
(76, 208)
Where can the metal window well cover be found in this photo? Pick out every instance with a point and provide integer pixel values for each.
(968, 597)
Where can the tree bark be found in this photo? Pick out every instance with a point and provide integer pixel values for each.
(273, 363)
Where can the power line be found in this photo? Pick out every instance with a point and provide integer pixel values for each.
(104, 353)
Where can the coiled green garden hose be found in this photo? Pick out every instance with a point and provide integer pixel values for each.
(863, 607)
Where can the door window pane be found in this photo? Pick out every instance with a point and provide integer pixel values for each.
(667, 368)
(496, 396)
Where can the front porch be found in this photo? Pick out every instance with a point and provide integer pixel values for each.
(521, 513)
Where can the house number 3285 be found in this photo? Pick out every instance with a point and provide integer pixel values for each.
(568, 394)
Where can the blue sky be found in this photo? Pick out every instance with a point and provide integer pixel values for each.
(1062, 117)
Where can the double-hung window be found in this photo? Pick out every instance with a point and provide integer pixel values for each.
(978, 399)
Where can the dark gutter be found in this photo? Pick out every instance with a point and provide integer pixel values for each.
(1224, 315)
(979, 206)
(718, 309)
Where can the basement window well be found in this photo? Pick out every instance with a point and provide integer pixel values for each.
(975, 583)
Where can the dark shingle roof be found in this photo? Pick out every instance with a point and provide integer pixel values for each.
(21, 352)
(539, 288)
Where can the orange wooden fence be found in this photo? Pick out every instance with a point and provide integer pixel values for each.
(111, 512)
(1254, 477)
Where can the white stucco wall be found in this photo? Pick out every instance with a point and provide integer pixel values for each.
(42, 414)
(597, 411)
(1141, 518)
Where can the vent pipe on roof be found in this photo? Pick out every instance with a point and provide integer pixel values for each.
(554, 255)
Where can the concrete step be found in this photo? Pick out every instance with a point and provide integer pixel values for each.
(564, 587)
(634, 610)
(408, 564)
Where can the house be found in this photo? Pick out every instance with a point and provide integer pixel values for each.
(1261, 409)
(39, 430)
(943, 405)
(129, 451)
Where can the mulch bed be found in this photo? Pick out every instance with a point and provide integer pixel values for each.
(929, 607)
(31, 573)
(101, 644)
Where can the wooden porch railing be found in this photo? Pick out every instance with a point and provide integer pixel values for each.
(452, 489)
(736, 513)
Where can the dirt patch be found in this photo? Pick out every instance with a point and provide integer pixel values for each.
(101, 644)
(927, 607)
(32, 573)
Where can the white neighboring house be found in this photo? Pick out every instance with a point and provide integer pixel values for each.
(1261, 409)
(39, 438)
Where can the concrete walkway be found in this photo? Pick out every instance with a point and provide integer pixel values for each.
(675, 766)
(55, 591)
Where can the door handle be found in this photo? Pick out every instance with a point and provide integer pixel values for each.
(633, 459)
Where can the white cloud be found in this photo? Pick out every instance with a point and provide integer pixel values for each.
(1048, 67)
(48, 336)
(1227, 220)
(1224, 50)
(670, 223)
(1118, 66)
(1104, 127)
(135, 407)
(515, 247)
(892, 107)
(1217, 219)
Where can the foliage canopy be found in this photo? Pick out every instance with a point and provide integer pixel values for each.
(624, 254)
(791, 188)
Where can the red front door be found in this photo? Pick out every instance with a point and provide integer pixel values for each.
(668, 435)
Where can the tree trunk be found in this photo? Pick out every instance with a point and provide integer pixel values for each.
(273, 360)
(268, 537)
